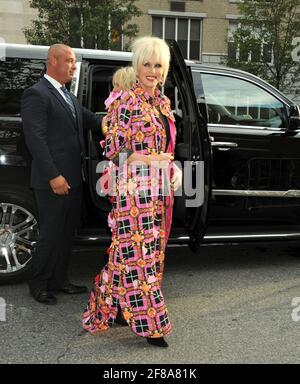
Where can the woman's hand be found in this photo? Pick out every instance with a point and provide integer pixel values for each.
(176, 180)
(160, 161)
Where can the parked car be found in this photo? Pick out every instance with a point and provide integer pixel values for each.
(243, 132)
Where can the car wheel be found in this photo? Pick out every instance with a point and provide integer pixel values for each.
(18, 234)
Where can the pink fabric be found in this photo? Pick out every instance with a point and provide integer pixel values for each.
(111, 98)
(170, 199)
(133, 275)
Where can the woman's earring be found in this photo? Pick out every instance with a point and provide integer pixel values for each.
(136, 80)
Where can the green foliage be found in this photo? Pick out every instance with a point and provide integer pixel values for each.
(267, 29)
(83, 23)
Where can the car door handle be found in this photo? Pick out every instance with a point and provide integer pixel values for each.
(224, 144)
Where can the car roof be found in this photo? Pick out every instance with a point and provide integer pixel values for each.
(40, 52)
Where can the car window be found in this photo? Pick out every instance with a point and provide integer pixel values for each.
(16, 75)
(236, 101)
(101, 88)
(199, 92)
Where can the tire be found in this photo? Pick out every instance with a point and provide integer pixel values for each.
(18, 234)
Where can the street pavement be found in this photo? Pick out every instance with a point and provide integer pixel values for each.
(228, 304)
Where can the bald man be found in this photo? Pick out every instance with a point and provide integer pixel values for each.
(53, 123)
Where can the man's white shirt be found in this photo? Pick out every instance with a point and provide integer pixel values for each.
(56, 84)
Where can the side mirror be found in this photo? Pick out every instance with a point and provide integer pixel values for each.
(294, 117)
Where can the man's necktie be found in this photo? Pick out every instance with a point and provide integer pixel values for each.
(69, 100)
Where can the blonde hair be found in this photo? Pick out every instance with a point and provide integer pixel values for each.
(144, 47)
(123, 78)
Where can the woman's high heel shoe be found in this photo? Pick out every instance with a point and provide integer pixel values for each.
(119, 319)
(157, 342)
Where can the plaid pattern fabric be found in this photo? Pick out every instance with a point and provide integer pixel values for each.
(132, 278)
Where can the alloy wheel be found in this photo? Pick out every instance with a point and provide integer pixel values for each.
(18, 233)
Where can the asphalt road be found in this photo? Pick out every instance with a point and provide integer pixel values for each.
(228, 304)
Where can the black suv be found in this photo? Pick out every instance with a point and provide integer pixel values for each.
(240, 132)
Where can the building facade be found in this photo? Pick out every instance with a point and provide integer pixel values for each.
(15, 15)
(200, 26)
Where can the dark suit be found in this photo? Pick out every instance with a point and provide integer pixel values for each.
(55, 141)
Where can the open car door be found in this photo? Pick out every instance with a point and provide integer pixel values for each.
(192, 150)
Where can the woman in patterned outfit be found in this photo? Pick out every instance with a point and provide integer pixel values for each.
(140, 127)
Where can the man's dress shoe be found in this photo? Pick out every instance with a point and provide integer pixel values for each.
(71, 289)
(44, 297)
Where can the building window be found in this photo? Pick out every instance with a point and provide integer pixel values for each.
(186, 31)
(113, 37)
(116, 34)
(232, 47)
(255, 54)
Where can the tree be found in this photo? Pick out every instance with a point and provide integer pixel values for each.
(83, 23)
(264, 41)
